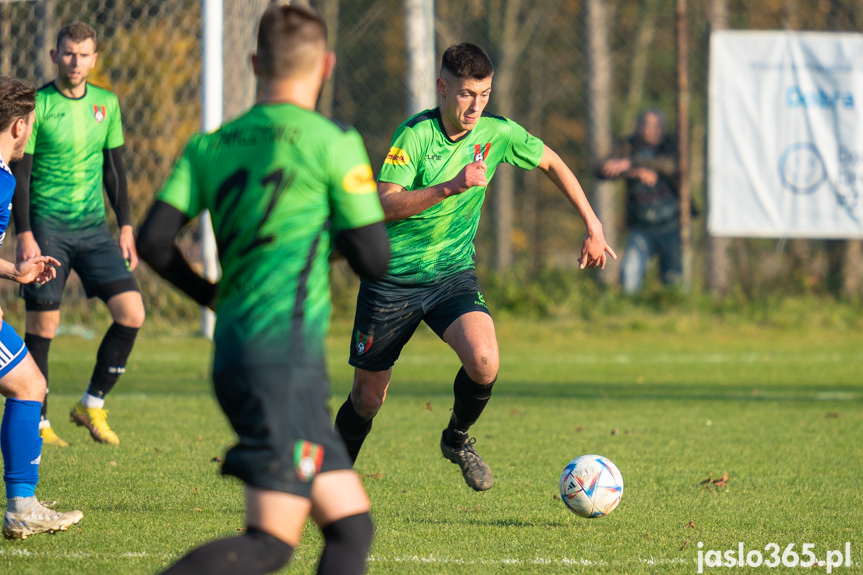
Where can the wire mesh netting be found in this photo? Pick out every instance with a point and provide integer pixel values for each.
(150, 56)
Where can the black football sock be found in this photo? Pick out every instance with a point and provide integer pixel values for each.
(346, 545)
(111, 358)
(352, 428)
(255, 552)
(470, 399)
(38, 347)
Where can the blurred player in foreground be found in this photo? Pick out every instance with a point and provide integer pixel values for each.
(282, 184)
(21, 382)
(76, 146)
(432, 187)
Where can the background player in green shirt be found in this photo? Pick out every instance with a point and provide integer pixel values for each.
(76, 147)
(432, 186)
(282, 184)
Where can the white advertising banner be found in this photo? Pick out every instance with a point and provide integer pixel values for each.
(786, 134)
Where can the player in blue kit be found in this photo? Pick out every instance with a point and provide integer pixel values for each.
(21, 382)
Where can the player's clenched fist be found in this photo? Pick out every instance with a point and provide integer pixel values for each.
(472, 175)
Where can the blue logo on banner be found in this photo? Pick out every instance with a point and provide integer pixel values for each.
(801, 168)
(795, 97)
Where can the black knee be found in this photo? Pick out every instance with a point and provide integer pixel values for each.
(272, 553)
(346, 544)
(254, 552)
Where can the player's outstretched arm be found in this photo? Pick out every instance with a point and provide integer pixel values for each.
(38, 269)
(157, 247)
(367, 250)
(593, 247)
(400, 203)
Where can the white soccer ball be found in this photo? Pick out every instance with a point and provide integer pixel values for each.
(591, 486)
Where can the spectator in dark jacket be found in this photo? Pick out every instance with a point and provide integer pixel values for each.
(647, 160)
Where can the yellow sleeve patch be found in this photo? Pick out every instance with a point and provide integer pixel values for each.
(397, 157)
(359, 180)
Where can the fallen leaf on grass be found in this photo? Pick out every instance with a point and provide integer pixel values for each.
(579, 429)
(690, 524)
(216, 459)
(112, 463)
(721, 482)
(428, 406)
(372, 475)
(685, 543)
(198, 509)
(832, 415)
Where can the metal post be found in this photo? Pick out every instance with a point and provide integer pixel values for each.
(419, 40)
(211, 119)
(683, 140)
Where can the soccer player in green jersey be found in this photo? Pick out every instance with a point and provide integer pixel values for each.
(432, 186)
(282, 184)
(75, 148)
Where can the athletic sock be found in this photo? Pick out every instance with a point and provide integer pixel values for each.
(346, 545)
(111, 358)
(470, 400)
(90, 401)
(38, 347)
(255, 552)
(20, 504)
(21, 447)
(352, 428)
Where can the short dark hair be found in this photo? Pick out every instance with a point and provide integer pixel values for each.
(467, 60)
(285, 34)
(77, 32)
(17, 100)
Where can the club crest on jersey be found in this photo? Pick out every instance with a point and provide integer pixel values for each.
(363, 342)
(308, 457)
(99, 113)
(479, 154)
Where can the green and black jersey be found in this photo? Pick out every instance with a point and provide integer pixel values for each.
(68, 138)
(438, 242)
(279, 182)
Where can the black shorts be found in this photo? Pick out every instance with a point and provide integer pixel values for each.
(387, 315)
(93, 254)
(285, 434)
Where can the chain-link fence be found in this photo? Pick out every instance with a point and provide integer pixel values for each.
(545, 56)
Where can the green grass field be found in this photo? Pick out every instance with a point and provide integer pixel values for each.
(781, 411)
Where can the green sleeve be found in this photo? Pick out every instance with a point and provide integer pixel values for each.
(403, 159)
(182, 188)
(353, 194)
(115, 127)
(31, 143)
(524, 150)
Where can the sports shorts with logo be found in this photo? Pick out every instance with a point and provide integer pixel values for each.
(387, 315)
(92, 253)
(285, 434)
(12, 349)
